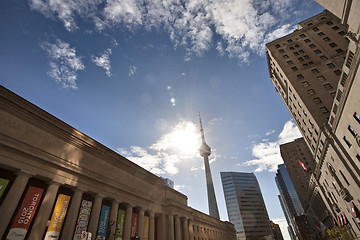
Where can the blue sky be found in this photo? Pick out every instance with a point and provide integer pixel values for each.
(134, 74)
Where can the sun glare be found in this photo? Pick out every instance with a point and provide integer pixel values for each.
(185, 139)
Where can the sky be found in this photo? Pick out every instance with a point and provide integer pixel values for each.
(134, 74)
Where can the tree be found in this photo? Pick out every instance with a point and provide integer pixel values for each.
(339, 232)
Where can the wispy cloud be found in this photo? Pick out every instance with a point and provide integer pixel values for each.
(176, 147)
(64, 63)
(103, 61)
(132, 70)
(243, 25)
(267, 153)
(270, 132)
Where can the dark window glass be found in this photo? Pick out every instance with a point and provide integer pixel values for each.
(329, 23)
(327, 86)
(339, 50)
(324, 110)
(317, 100)
(301, 59)
(296, 54)
(352, 131)
(290, 62)
(326, 39)
(305, 84)
(277, 45)
(311, 91)
(357, 117)
(302, 35)
(342, 33)
(315, 71)
(289, 41)
(315, 29)
(311, 63)
(337, 72)
(312, 46)
(294, 69)
(307, 40)
(332, 44)
(335, 28)
(321, 34)
(285, 56)
(317, 51)
(323, 57)
(306, 57)
(330, 65)
(321, 78)
(300, 76)
(347, 141)
(301, 51)
(305, 65)
(281, 51)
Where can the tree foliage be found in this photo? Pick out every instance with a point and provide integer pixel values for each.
(339, 232)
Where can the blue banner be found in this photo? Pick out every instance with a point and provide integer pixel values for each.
(103, 222)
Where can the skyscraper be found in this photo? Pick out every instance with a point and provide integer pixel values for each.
(245, 205)
(205, 152)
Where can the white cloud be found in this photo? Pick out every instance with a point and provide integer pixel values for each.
(283, 226)
(267, 153)
(103, 61)
(132, 70)
(64, 63)
(270, 132)
(176, 147)
(243, 25)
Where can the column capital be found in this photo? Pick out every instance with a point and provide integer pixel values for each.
(53, 182)
(22, 172)
(98, 195)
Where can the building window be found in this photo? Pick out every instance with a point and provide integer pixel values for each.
(357, 117)
(314, 71)
(277, 45)
(305, 65)
(305, 84)
(302, 35)
(292, 48)
(323, 57)
(306, 57)
(332, 44)
(358, 157)
(289, 41)
(317, 51)
(339, 50)
(301, 51)
(300, 76)
(307, 40)
(311, 91)
(339, 94)
(326, 39)
(337, 72)
(343, 79)
(342, 33)
(315, 29)
(335, 28)
(327, 86)
(296, 54)
(285, 56)
(329, 23)
(290, 62)
(335, 108)
(321, 78)
(297, 46)
(330, 65)
(301, 59)
(321, 34)
(309, 24)
(299, 106)
(324, 110)
(305, 113)
(352, 131)
(294, 69)
(349, 59)
(347, 141)
(312, 45)
(311, 63)
(281, 51)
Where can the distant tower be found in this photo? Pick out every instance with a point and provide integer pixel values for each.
(205, 152)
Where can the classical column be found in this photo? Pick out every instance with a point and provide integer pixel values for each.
(95, 215)
(185, 229)
(177, 228)
(152, 226)
(12, 199)
(113, 218)
(141, 223)
(72, 214)
(191, 229)
(128, 217)
(171, 228)
(37, 230)
(161, 233)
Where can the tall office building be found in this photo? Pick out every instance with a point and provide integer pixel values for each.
(315, 71)
(291, 203)
(205, 152)
(245, 205)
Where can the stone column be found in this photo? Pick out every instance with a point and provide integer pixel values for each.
(171, 228)
(37, 230)
(191, 229)
(113, 218)
(161, 233)
(12, 199)
(152, 226)
(177, 228)
(95, 215)
(128, 217)
(185, 229)
(141, 223)
(72, 214)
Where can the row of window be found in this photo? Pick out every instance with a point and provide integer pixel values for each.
(351, 130)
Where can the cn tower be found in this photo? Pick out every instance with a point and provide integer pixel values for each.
(205, 152)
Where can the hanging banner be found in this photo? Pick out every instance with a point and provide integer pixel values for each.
(83, 220)
(146, 228)
(119, 234)
(25, 214)
(354, 210)
(3, 185)
(104, 218)
(134, 222)
(57, 218)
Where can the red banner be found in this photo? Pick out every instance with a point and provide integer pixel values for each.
(134, 222)
(354, 211)
(303, 166)
(25, 214)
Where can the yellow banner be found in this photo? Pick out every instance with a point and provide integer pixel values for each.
(58, 217)
(146, 228)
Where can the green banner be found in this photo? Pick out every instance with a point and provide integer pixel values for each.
(3, 185)
(119, 234)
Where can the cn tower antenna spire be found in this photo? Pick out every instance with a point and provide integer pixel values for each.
(205, 152)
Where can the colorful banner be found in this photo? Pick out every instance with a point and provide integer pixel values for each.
(104, 218)
(134, 222)
(83, 220)
(25, 214)
(58, 217)
(3, 185)
(146, 228)
(119, 234)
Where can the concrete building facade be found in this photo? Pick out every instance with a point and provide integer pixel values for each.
(245, 206)
(39, 151)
